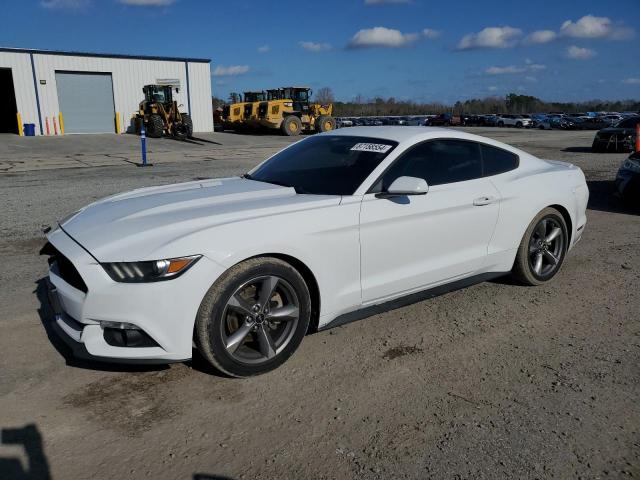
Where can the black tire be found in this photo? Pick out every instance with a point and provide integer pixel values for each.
(325, 123)
(291, 126)
(154, 126)
(212, 319)
(631, 194)
(523, 269)
(518, 124)
(501, 124)
(188, 124)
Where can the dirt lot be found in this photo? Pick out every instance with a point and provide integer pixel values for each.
(494, 381)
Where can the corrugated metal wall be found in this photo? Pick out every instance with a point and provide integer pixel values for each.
(200, 84)
(129, 76)
(20, 65)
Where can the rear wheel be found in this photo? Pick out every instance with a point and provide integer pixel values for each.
(291, 126)
(325, 123)
(518, 124)
(501, 124)
(542, 249)
(254, 317)
(154, 126)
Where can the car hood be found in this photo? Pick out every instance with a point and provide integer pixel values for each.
(612, 130)
(132, 226)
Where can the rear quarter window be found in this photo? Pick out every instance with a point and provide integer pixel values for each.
(496, 160)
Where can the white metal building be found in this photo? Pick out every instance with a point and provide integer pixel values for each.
(95, 93)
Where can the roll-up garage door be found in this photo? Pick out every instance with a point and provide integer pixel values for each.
(86, 102)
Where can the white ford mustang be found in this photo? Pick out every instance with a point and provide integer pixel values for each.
(330, 229)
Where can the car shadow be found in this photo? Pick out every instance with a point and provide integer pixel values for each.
(604, 198)
(46, 318)
(30, 439)
(580, 150)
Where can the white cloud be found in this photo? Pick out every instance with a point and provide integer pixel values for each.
(491, 37)
(513, 69)
(631, 81)
(541, 36)
(531, 79)
(148, 3)
(590, 26)
(430, 33)
(381, 37)
(504, 70)
(315, 46)
(578, 53)
(64, 4)
(492, 88)
(264, 48)
(231, 70)
(386, 2)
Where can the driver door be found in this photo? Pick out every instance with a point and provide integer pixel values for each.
(412, 242)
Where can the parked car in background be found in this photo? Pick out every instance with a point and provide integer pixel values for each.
(612, 119)
(619, 138)
(517, 121)
(473, 120)
(628, 181)
(593, 123)
(490, 120)
(417, 121)
(445, 120)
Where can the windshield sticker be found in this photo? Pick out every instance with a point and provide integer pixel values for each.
(371, 147)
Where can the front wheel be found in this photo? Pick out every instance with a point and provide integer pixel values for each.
(253, 317)
(291, 126)
(187, 124)
(542, 249)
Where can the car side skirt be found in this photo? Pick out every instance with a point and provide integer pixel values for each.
(410, 299)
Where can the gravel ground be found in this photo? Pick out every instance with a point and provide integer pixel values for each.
(494, 381)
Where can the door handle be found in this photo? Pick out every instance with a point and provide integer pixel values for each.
(480, 201)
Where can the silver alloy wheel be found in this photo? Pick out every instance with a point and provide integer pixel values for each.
(259, 319)
(546, 247)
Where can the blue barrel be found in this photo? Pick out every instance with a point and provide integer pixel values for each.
(29, 129)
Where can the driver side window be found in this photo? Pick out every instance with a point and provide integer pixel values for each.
(438, 162)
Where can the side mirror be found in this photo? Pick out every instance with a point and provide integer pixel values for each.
(403, 186)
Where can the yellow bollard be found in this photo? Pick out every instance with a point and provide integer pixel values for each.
(61, 121)
(20, 126)
(118, 123)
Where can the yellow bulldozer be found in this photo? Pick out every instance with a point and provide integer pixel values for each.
(242, 110)
(160, 114)
(290, 110)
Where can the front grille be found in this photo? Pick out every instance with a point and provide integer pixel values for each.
(66, 270)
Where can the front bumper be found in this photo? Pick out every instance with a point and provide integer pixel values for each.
(164, 311)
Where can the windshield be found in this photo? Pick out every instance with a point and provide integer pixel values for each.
(629, 123)
(325, 164)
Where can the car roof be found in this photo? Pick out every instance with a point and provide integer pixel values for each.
(402, 134)
(409, 135)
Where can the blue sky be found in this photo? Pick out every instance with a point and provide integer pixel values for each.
(425, 50)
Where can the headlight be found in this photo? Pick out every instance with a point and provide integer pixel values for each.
(151, 271)
(631, 165)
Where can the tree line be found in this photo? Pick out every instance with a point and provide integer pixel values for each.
(511, 103)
